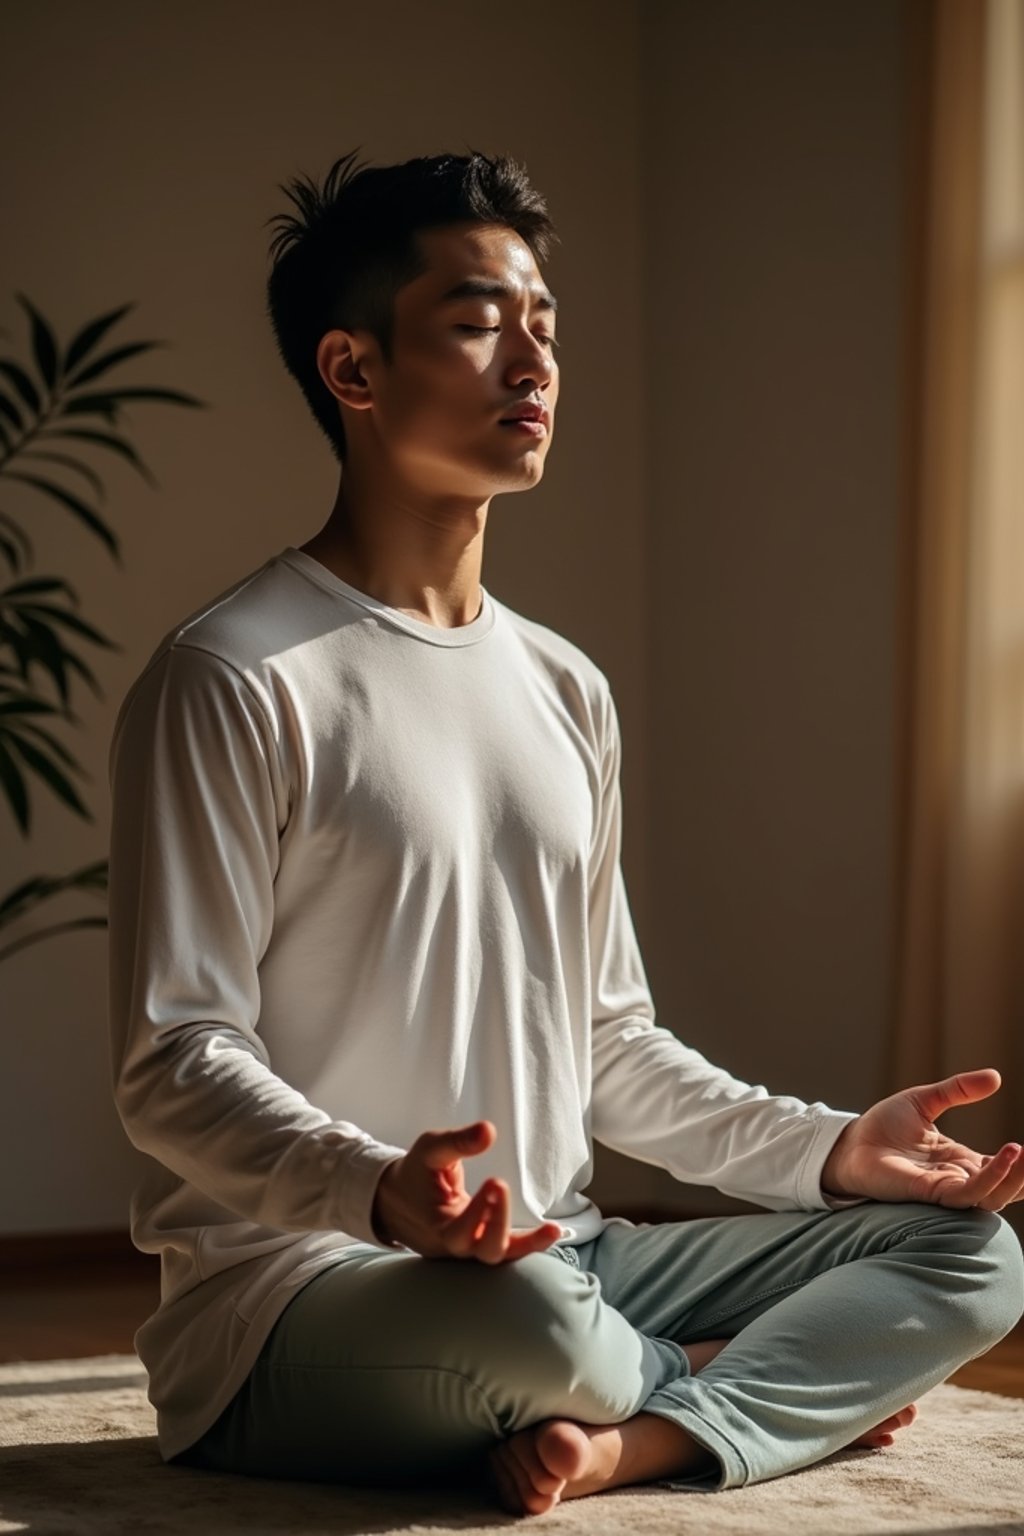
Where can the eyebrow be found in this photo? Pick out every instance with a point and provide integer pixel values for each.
(484, 287)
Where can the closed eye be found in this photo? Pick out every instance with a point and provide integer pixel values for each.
(483, 330)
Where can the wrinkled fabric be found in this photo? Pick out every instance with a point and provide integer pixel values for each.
(391, 1369)
(365, 881)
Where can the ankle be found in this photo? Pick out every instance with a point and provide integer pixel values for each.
(654, 1446)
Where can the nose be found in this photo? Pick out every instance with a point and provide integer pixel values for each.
(533, 361)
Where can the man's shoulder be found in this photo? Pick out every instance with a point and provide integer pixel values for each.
(232, 632)
(562, 659)
(557, 653)
(259, 616)
(241, 623)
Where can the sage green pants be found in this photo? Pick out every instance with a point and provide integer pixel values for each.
(389, 1368)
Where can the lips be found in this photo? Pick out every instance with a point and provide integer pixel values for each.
(526, 424)
(537, 413)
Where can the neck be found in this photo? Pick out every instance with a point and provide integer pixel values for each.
(419, 555)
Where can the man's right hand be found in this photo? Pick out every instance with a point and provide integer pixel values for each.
(421, 1201)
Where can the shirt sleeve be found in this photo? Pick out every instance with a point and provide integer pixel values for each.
(661, 1101)
(197, 805)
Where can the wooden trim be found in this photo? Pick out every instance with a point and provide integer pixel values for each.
(45, 1250)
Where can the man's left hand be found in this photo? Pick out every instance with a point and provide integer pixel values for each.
(894, 1151)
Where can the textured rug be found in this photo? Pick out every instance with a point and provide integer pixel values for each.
(78, 1456)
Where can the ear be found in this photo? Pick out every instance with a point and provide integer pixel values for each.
(340, 359)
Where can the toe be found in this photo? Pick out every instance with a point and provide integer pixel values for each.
(524, 1447)
(535, 1488)
(562, 1448)
(505, 1487)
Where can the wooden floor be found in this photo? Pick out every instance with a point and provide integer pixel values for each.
(66, 1311)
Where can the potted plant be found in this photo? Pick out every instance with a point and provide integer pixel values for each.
(52, 410)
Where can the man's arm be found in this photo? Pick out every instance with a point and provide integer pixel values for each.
(196, 808)
(663, 1102)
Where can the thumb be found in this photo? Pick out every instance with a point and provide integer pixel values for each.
(933, 1099)
(440, 1148)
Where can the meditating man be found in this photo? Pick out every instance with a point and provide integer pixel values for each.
(375, 988)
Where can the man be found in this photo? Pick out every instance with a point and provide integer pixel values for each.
(375, 987)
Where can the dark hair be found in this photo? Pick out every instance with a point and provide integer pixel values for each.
(341, 263)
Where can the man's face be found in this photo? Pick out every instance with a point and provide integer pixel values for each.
(461, 362)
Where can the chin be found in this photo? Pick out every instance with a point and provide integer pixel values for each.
(528, 472)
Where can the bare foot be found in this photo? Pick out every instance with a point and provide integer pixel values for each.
(536, 1468)
(556, 1459)
(884, 1433)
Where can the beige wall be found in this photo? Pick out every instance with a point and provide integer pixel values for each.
(717, 521)
(776, 197)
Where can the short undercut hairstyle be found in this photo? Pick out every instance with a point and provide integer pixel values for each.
(339, 262)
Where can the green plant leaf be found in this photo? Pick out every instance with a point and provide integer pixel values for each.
(20, 702)
(109, 360)
(76, 664)
(51, 775)
(90, 334)
(106, 440)
(73, 622)
(34, 623)
(27, 705)
(99, 405)
(65, 458)
(14, 783)
(28, 649)
(10, 549)
(76, 505)
(91, 877)
(46, 933)
(22, 383)
(133, 392)
(10, 414)
(23, 897)
(38, 643)
(54, 745)
(41, 584)
(44, 346)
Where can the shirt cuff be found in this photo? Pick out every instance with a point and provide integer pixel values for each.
(831, 1123)
(356, 1186)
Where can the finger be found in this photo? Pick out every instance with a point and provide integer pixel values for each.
(492, 1236)
(1010, 1186)
(1004, 1170)
(933, 1099)
(981, 1185)
(537, 1241)
(441, 1148)
(460, 1235)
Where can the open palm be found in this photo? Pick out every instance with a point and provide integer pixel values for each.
(895, 1151)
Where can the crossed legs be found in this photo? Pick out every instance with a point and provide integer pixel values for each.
(697, 1355)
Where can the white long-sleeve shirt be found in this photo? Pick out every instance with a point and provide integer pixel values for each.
(365, 881)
